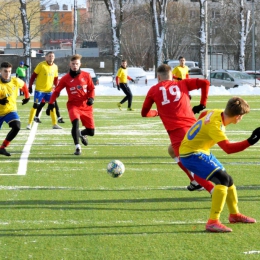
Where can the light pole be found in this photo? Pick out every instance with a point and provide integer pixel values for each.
(253, 35)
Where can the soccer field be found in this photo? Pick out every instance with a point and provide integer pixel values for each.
(55, 205)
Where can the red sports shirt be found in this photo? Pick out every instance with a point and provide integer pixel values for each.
(79, 89)
(173, 102)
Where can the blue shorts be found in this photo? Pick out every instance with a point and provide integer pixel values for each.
(8, 118)
(38, 96)
(202, 164)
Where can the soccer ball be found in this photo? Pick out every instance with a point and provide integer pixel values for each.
(115, 168)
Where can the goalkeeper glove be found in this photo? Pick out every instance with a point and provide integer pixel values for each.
(90, 101)
(25, 100)
(254, 138)
(4, 101)
(30, 90)
(198, 108)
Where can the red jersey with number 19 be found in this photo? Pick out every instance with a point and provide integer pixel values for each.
(173, 101)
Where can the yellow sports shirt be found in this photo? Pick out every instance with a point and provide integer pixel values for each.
(180, 72)
(10, 90)
(122, 75)
(45, 76)
(205, 133)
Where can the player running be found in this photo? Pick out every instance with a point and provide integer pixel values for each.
(195, 155)
(81, 93)
(173, 105)
(9, 89)
(46, 75)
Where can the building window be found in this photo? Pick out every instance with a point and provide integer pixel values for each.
(215, 14)
(194, 0)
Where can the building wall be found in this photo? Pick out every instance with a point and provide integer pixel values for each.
(11, 12)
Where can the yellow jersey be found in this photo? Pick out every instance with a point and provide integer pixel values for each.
(10, 90)
(205, 133)
(181, 72)
(122, 75)
(45, 76)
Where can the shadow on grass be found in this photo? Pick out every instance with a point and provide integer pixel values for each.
(86, 230)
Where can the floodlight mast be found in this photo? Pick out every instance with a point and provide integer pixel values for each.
(75, 28)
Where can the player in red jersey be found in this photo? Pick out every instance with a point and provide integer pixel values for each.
(81, 93)
(174, 108)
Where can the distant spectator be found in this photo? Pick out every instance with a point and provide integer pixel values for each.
(21, 73)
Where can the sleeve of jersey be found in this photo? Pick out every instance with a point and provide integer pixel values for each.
(91, 88)
(229, 148)
(33, 77)
(24, 89)
(202, 84)
(148, 102)
(56, 92)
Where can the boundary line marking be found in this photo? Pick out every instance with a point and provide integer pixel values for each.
(23, 162)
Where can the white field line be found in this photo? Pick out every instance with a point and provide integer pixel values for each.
(133, 188)
(23, 161)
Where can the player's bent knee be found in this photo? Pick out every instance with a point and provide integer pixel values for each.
(221, 177)
(171, 151)
(15, 125)
(89, 131)
(35, 105)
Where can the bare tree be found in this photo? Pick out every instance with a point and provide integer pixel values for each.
(116, 25)
(158, 11)
(244, 31)
(203, 37)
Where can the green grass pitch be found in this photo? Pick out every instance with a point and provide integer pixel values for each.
(67, 207)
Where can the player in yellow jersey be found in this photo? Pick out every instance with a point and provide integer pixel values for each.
(195, 155)
(121, 82)
(9, 89)
(181, 71)
(46, 75)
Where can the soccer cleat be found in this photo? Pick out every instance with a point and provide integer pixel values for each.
(4, 152)
(28, 127)
(130, 109)
(119, 106)
(37, 120)
(60, 120)
(56, 127)
(235, 218)
(78, 151)
(83, 139)
(193, 187)
(216, 226)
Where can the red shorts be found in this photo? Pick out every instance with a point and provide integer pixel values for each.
(176, 136)
(84, 113)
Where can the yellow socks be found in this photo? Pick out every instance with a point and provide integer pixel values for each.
(219, 196)
(32, 115)
(53, 117)
(232, 200)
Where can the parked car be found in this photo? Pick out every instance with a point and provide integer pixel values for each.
(255, 74)
(92, 74)
(232, 79)
(137, 74)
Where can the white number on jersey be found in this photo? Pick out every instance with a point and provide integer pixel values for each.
(174, 91)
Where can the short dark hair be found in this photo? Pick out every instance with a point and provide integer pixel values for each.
(124, 60)
(49, 52)
(181, 57)
(6, 64)
(236, 106)
(75, 57)
(164, 70)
